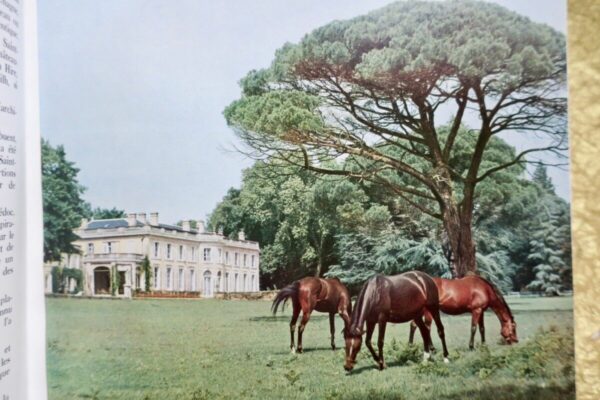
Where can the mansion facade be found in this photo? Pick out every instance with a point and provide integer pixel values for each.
(182, 259)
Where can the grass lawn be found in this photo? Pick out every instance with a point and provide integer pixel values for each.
(211, 349)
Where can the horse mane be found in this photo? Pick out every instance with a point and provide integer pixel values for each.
(500, 297)
(367, 298)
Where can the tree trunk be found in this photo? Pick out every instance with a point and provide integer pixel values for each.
(458, 227)
(319, 267)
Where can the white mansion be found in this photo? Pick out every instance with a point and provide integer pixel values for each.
(182, 259)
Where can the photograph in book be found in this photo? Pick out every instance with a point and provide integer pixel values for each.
(341, 200)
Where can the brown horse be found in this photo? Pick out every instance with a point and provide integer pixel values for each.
(398, 298)
(308, 294)
(473, 294)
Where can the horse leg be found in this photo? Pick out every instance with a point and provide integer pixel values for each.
(380, 339)
(482, 328)
(370, 329)
(295, 314)
(427, 317)
(332, 329)
(411, 335)
(440, 328)
(425, 334)
(303, 322)
(475, 315)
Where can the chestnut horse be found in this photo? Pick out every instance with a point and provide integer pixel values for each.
(473, 294)
(308, 294)
(398, 298)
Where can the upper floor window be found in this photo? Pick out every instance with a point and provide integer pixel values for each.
(181, 252)
(252, 259)
(245, 260)
(90, 248)
(227, 258)
(109, 247)
(236, 259)
(206, 254)
(192, 253)
(156, 249)
(220, 255)
(169, 251)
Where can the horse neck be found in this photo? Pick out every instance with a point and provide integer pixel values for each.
(361, 308)
(500, 309)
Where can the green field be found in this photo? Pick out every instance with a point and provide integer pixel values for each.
(210, 349)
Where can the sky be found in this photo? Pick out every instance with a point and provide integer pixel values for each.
(135, 90)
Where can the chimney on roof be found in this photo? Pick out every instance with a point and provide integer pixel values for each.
(131, 219)
(154, 218)
(142, 218)
(241, 235)
(84, 222)
(186, 225)
(200, 226)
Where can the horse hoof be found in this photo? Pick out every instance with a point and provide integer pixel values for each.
(299, 350)
(382, 366)
(471, 348)
(446, 361)
(293, 351)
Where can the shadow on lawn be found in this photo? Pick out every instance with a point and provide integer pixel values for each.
(279, 318)
(308, 350)
(491, 392)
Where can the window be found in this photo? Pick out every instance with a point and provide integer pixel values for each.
(181, 252)
(181, 280)
(235, 283)
(245, 260)
(109, 247)
(169, 251)
(227, 258)
(156, 278)
(156, 249)
(220, 255)
(252, 261)
(237, 260)
(90, 248)
(169, 278)
(138, 278)
(193, 280)
(206, 254)
(226, 288)
(193, 254)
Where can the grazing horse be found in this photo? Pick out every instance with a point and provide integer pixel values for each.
(398, 298)
(308, 294)
(473, 294)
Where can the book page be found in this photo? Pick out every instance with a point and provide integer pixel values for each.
(11, 210)
(19, 189)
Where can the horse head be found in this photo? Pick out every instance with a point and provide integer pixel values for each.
(509, 332)
(353, 341)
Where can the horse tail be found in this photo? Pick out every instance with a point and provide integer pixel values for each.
(289, 292)
(366, 300)
(500, 297)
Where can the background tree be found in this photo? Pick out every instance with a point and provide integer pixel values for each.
(104, 213)
(294, 216)
(372, 89)
(63, 206)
